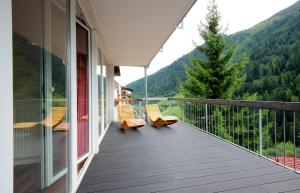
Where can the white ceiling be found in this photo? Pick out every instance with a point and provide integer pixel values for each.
(133, 31)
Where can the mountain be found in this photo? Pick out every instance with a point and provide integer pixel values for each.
(273, 73)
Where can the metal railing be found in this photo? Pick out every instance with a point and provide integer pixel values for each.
(268, 129)
(28, 141)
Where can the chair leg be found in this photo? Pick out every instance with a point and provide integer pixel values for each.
(159, 123)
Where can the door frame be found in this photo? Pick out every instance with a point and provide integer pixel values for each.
(47, 176)
(89, 153)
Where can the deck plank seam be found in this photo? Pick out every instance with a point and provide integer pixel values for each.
(135, 186)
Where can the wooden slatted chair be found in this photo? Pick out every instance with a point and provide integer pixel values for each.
(127, 117)
(56, 117)
(156, 118)
(52, 120)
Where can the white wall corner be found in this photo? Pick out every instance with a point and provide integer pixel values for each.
(110, 92)
(102, 93)
(72, 76)
(95, 113)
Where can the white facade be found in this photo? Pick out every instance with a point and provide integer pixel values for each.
(104, 51)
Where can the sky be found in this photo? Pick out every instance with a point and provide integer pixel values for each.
(237, 15)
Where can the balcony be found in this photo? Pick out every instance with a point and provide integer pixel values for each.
(219, 146)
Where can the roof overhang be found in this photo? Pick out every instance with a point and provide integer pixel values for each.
(133, 31)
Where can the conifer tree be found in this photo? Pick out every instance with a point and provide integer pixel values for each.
(213, 74)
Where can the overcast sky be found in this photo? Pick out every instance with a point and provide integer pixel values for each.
(236, 14)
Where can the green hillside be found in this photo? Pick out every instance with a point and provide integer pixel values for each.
(273, 47)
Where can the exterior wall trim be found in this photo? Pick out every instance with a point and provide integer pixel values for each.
(102, 92)
(94, 94)
(73, 100)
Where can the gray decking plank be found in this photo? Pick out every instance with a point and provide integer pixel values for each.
(179, 158)
(238, 183)
(252, 189)
(159, 185)
(284, 186)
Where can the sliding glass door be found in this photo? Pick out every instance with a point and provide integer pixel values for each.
(28, 95)
(40, 95)
(56, 61)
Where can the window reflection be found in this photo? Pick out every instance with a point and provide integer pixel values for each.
(104, 74)
(40, 105)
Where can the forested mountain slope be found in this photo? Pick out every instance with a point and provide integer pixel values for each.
(273, 47)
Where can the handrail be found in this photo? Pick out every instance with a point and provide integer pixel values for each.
(152, 99)
(52, 100)
(276, 105)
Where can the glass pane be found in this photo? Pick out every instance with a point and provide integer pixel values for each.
(28, 101)
(104, 74)
(82, 90)
(58, 87)
(40, 106)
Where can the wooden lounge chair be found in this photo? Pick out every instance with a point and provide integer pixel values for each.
(156, 118)
(52, 120)
(127, 117)
(57, 115)
(25, 125)
(57, 122)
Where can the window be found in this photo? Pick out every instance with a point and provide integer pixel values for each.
(40, 95)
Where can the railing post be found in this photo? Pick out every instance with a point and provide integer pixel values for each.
(140, 108)
(146, 91)
(294, 138)
(284, 140)
(206, 117)
(260, 132)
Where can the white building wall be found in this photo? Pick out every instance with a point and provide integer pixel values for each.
(102, 96)
(6, 98)
(110, 92)
(94, 85)
(73, 174)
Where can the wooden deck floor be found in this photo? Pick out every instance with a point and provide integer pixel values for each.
(181, 159)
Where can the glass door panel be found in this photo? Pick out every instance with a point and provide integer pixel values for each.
(82, 37)
(27, 95)
(40, 105)
(56, 60)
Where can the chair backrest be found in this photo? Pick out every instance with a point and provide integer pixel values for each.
(125, 112)
(55, 117)
(153, 111)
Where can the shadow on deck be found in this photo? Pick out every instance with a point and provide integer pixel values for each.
(180, 158)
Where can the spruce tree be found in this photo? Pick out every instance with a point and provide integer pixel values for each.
(213, 74)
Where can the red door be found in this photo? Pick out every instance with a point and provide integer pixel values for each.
(82, 91)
